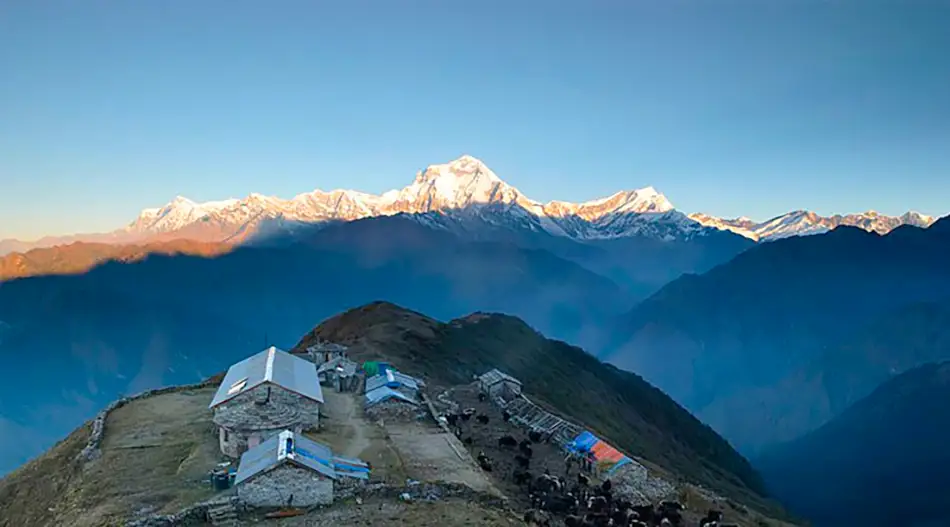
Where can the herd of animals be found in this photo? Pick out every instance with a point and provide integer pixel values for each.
(580, 503)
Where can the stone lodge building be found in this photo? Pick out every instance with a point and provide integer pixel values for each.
(263, 395)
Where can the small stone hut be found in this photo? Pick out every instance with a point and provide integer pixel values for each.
(496, 383)
(340, 373)
(263, 395)
(324, 351)
(400, 382)
(286, 470)
(392, 393)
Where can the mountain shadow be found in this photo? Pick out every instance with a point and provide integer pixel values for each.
(881, 462)
(638, 251)
(81, 340)
(740, 345)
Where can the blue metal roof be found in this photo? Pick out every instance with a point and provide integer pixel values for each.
(385, 393)
(275, 451)
(349, 467)
(393, 379)
(274, 366)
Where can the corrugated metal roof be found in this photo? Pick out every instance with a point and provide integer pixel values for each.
(392, 378)
(274, 366)
(349, 467)
(408, 381)
(349, 367)
(495, 376)
(273, 452)
(384, 393)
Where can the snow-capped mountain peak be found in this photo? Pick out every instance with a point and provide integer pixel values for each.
(176, 214)
(641, 201)
(454, 185)
(803, 222)
(442, 189)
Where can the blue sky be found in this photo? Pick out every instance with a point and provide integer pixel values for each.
(728, 107)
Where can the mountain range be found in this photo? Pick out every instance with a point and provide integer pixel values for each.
(803, 223)
(786, 335)
(463, 184)
(764, 342)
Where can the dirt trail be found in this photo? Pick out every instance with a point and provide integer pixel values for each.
(347, 432)
(354, 422)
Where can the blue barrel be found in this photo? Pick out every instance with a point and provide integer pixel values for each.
(221, 481)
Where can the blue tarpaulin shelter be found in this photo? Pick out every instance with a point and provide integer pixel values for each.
(603, 453)
(583, 443)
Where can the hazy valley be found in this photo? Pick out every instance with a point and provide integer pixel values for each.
(764, 337)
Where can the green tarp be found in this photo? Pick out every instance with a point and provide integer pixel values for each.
(371, 368)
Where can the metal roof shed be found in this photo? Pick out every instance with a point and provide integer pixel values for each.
(495, 376)
(286, 466)
(385, 393)
(393, 379)
(499, 384)
(277, 450)
(270, 366)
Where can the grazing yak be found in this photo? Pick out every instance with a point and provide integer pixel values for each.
(507, 441)
(532, 517)
(521, 477)
(712, 517)
(484, 462)
(481, 419)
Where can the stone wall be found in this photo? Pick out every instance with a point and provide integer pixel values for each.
(275, 487)
(91, 451)
(283, 409)
(194, 515)
(428, 491)
(395, 410)
(425, 491)
(634, 482)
